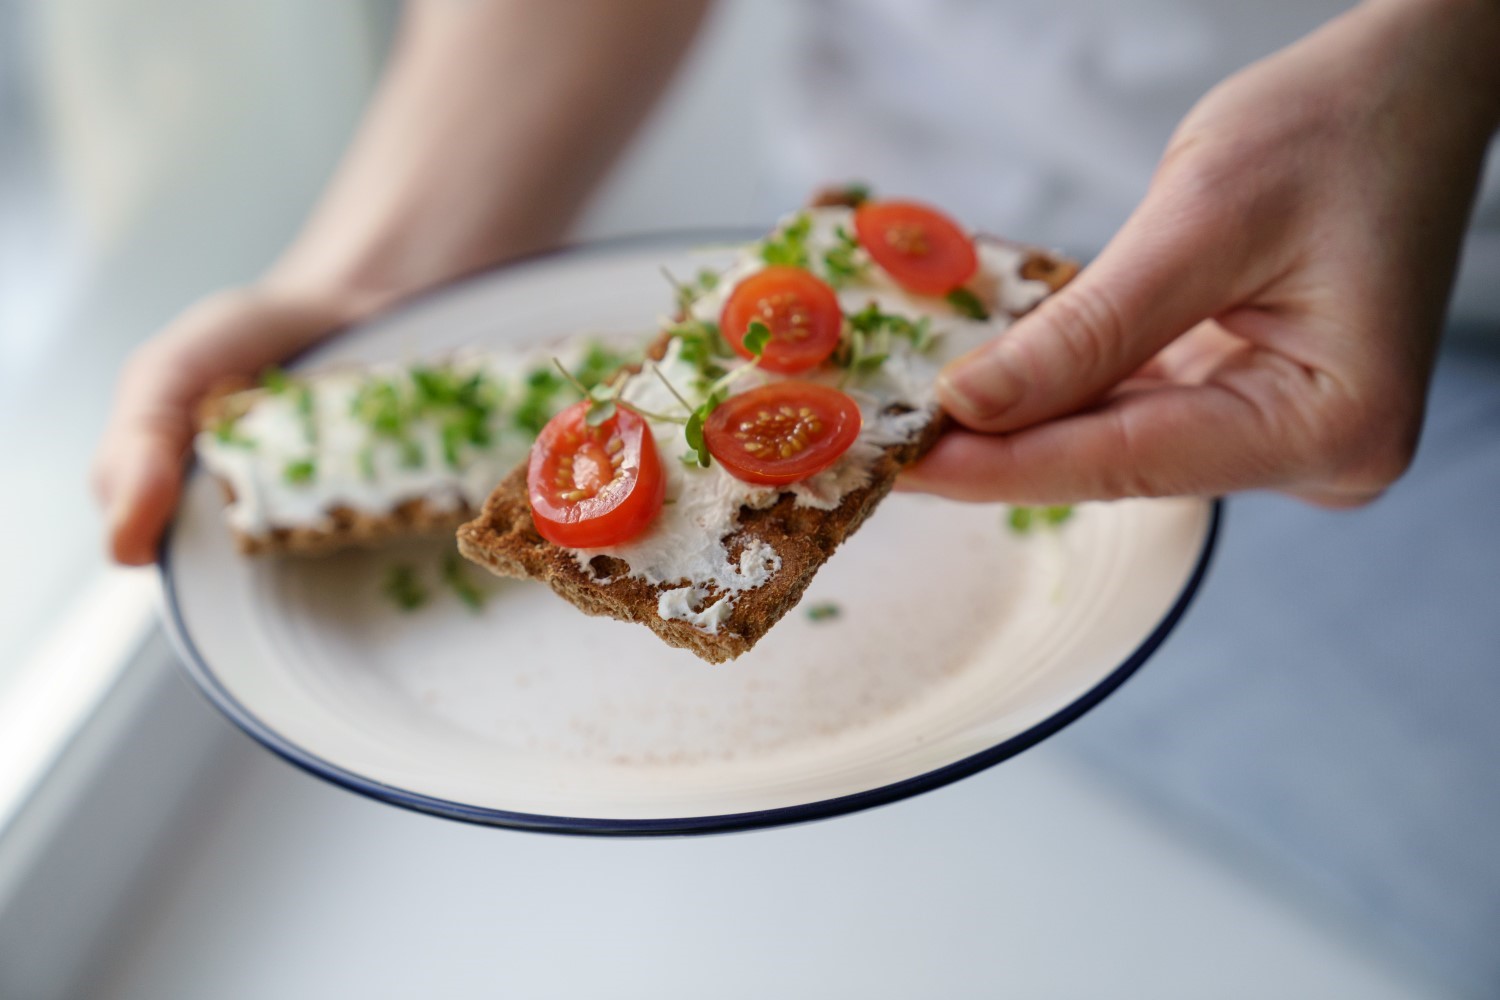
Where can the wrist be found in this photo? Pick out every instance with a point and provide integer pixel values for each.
(1461, 41)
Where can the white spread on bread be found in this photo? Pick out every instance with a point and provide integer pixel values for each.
(685, 548)
(349, 466)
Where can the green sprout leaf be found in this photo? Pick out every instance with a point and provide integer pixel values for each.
(456, 576)
(757, 335)
(1023, 520)
(788, 245)
(300, 471)
(274, 380)
(403, 587)
(967, 304)
(227, 432)
(693, 431)
(845, 262)
(856, 194)
(599, 412)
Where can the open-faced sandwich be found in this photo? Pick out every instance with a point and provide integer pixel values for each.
(699, 492)
(360, 456)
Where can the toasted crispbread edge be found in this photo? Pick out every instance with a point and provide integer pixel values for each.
(504, 540)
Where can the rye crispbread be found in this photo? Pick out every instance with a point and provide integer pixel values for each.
(504, 540)
(342, 527)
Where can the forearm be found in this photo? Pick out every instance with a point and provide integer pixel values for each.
(492, 125)
(1455, 42)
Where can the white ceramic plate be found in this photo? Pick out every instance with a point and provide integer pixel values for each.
(958, 643)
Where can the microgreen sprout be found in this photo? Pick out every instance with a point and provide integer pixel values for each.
(788, 245)
(604, 399)
(689, 292)
(404, 588)
(227, 432)
(844, 262)
(967, 304)
(300, 471)
(1023, 519)
(823, 611)
(456, 576)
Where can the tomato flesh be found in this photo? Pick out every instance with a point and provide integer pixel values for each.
(591, 487)
(799, 309)
(924, 250)
(783, 432)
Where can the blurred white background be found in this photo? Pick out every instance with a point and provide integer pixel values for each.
(154, 151)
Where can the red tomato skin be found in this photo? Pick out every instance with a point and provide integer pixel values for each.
(838, 414)
(748, 301)
(620, 512)
(948, 260)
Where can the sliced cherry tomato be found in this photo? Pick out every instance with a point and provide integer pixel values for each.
(923, 250)
(594, 486)
(799, 309)
(782, 432)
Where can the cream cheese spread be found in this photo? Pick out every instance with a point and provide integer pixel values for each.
(690, 548)
(314, 445)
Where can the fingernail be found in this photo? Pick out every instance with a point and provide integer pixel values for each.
(979, 387)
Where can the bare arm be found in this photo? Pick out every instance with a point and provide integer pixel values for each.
(494, 122)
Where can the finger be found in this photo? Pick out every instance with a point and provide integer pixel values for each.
(1170, 267)
(1170, 441)
(143, 492)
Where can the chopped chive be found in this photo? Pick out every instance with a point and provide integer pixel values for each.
(824, 611)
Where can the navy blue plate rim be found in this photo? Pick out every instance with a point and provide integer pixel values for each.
(202, 674)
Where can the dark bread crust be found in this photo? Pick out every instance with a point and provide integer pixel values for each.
(504, 540)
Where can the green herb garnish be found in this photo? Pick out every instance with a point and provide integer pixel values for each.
(866, 342)
(843, 263)
(455, 575)
(307, 413)
(824, 611)
(403, 587)
(788, 245)
(536, 406)
(689, 292)
(701, 346)
(967, 303)
(757, 335)
(301, 471)
(227, 432)
(1023, 519)
(274, 380)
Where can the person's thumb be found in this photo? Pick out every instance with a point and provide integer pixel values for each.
(1170, 267)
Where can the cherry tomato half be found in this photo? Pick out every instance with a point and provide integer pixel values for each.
(800, 310)
(782, 432)
(921, 248)
(594, 486)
